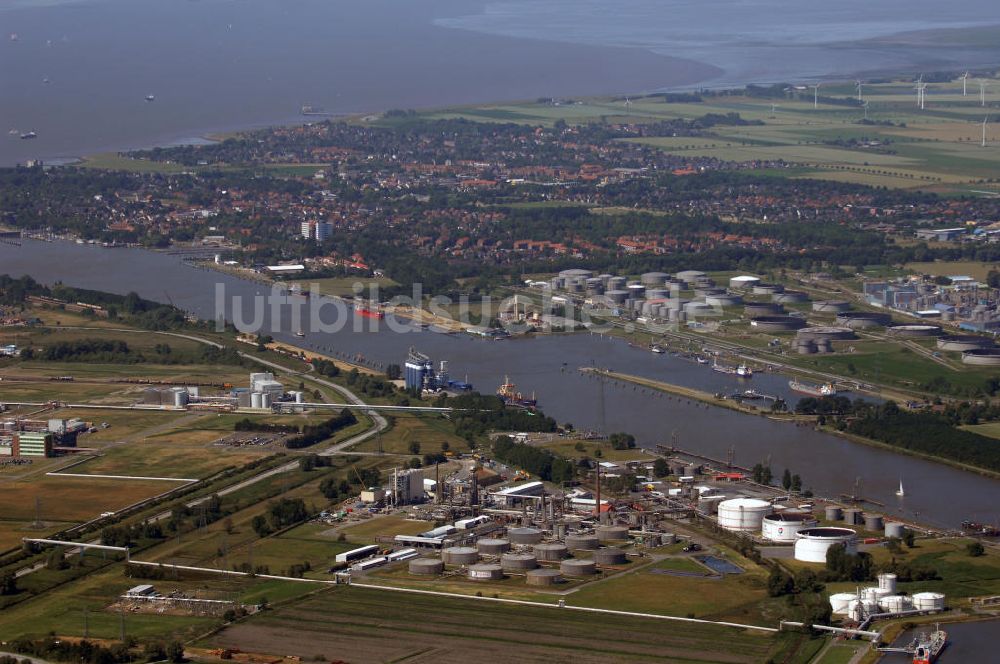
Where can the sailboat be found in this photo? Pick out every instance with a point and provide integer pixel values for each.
(899, 491)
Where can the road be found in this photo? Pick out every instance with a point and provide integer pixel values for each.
(379, 424)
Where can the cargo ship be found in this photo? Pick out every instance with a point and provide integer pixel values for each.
(368, 309)
(929, 646)
(511, 397)
(825, 390)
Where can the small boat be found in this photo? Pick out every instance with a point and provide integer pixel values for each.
(28, 135)
(701, 359)
(300, 333)
(656, 348)
(150, 98)
(13, 36)
(899, 491)
(743, 371)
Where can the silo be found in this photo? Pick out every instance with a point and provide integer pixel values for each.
(551, 551)
(518, 562)
(485, 572)
(542, 577)
(873, 522)
(582, 542)
(180, 397)
(833, 513)
(299, 397)
(609, 556)
(853, 516)
(493, 547)
(577, 567)
(895, 529)
(428, 566)
(612, 533)
(524, 535)
(256, 398)
(460, 555)
(265, 400)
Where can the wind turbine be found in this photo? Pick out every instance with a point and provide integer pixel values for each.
(865, 104)
(773, 108)
(628, 104)
(982, 93)
(985, 120)
(965, 80)
(859, 89)
(816, 95)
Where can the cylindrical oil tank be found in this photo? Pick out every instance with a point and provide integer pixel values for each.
(485, 572)
(910, 331)
(256, 399)
(460, 555)
(840, 601)
(875, 594)
(524, 535)
(895, 529)
(816, 333)
(657, 294)
(963, 342)
(767, 289)
(874, 522)
(551, 551)
(617, 296)
(654, 278)
(833, 513)
(743, 514)
(668, 538)
(577, 567)
(493, 547)
(428, 566)
(743, 282)
(612, 533)
(265, 400)
(609, 556)
(695, 309)
(983, 357)
(896, 603)
(518, 561)
(812, 544)
(790, 297)
(783, 526)
(887, 582)
(542, 577)
(724, 300)
(928, 602)
(689, 276)
(777, 323)
(860, 320)
(762, 309)
(617, 283)
(857, 609)
(582, 542)
(831, 306)
(853, 516)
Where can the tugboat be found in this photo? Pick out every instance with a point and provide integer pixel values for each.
(511, 397)
(368, 309)
(928, 647)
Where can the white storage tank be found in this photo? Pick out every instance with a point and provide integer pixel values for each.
(875, 594)
(858, 609)
(928, 602)
(812, 544)
(783, 526)
(743, 514)
(256, 400)
(887, 582)
(840, 601)
(896, 603)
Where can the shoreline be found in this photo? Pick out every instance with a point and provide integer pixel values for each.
(711, 400)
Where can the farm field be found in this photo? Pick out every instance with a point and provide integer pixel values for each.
(74, 499)
(352, 623)
(975, 269)
(896, 144)
(428, 431)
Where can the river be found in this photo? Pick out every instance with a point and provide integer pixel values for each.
(967, 643)
(547, 366)
(77, 72)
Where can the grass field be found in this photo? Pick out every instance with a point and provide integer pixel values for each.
(344, 286)
(365, 532)
(360, 625)
(72, 498)
(427, 430)
(975, 269)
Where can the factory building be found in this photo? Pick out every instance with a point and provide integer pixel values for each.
(514, 496)
(32, 444)
(419, 374)
(408, 486)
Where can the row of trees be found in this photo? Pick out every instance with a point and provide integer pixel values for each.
(315, 433)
